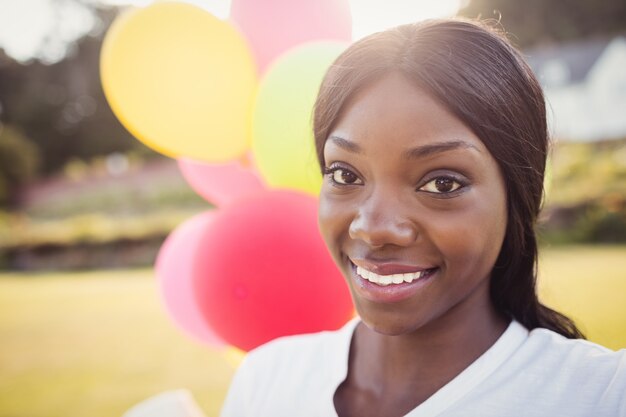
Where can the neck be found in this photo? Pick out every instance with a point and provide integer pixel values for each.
(427, 358)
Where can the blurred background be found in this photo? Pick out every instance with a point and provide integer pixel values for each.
(84, 207)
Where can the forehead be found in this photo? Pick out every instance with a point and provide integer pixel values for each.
(394, 112)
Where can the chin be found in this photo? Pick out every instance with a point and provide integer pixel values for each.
(389, 329)
(387, 321)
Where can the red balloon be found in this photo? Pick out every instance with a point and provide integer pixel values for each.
(274, 26)
(266, 272)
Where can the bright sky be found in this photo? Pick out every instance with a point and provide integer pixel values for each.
(25, 25)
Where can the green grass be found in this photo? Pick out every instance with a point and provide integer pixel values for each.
(96, 343)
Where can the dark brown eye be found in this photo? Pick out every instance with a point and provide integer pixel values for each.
(444, 185)
(441, 185)
(345, 177)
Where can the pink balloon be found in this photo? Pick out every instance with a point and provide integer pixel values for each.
(175, 268)
(265, 271)
(220, 184)
(274, 26)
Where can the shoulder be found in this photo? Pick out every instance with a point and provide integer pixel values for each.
(292, 368)
(301, 354)
(548, 374)
(575, 358)
(554, 345)
(580, 371)
(289, 351)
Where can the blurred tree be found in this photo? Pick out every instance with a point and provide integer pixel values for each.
(19, 159)
(536, 21)
(61, 107)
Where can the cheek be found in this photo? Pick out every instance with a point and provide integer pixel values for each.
(470, 240)
(332, 220)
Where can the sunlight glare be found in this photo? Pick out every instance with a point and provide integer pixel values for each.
(26, 26)
(30, 28)
(219, 8)
(370, 16)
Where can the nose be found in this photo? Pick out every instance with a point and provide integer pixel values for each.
(381, 220)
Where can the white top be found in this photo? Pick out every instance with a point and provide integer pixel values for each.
(525, 374)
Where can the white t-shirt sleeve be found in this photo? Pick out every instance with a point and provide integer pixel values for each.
(290, 376)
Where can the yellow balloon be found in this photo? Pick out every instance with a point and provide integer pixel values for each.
(181, 81)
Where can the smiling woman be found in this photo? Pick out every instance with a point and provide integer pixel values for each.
(405, 180)
(432, 138)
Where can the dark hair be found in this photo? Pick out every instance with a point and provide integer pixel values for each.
(477, 75)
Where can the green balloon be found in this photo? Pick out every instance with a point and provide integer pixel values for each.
(282, 131)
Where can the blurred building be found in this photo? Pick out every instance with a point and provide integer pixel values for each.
(585, 86)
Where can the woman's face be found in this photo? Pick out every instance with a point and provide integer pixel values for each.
(412, 208)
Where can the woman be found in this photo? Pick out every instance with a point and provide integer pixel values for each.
(432, 138)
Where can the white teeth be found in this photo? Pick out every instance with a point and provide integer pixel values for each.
(385, 280)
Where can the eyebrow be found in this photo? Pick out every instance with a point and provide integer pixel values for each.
(413, 153)
(345, 144)
(435, 148)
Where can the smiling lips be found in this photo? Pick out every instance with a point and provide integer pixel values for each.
(392, 282)
(385, 280)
